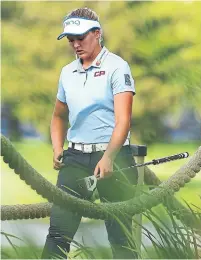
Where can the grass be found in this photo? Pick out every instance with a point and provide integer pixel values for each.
(26, 250)
(167, 239)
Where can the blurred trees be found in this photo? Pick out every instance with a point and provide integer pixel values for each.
(11, 10)
(160, 40)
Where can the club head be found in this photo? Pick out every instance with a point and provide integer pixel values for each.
(88, 185)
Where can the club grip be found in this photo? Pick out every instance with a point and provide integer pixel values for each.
(171, 158)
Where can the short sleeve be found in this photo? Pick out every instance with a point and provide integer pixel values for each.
(61, 93)
(122, 79)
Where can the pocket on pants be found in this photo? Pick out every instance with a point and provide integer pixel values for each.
(125, 159)
(68, 157)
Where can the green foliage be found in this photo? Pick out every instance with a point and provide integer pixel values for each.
(29, 250)
(166, 238)
(174, 239)
(10, 10)
(160, 40)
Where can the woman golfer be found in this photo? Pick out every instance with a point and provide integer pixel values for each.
(95, 96)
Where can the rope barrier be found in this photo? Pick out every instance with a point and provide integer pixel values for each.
(25, 211)
(86, 208)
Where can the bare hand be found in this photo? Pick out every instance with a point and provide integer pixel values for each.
(57, 159)
(104, 168)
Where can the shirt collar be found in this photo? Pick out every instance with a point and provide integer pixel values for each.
(100, 58)
(96, 63)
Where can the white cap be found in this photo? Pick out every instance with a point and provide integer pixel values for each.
(78, 26)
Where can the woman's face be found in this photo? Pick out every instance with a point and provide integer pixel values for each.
(85, 45)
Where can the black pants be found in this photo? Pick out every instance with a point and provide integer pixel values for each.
(119, 187)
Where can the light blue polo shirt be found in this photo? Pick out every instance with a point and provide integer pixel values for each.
(89, 95)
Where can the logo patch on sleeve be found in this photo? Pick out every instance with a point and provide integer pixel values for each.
(127, 79)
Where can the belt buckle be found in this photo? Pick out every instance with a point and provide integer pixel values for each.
(93, 148)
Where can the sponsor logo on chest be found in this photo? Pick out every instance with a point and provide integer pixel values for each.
(99, 73)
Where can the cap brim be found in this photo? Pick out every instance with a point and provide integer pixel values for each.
(62, 35)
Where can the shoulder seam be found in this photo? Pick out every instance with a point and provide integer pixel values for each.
(70, 65)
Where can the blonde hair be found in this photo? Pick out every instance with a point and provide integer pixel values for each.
(84, 13)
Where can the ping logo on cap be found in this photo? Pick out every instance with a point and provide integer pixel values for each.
(71, 22)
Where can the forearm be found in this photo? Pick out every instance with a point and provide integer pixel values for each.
(58, 132)
(118, 138)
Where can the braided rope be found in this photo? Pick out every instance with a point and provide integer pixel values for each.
(25, 211)
(42, 210)
(92, 210)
